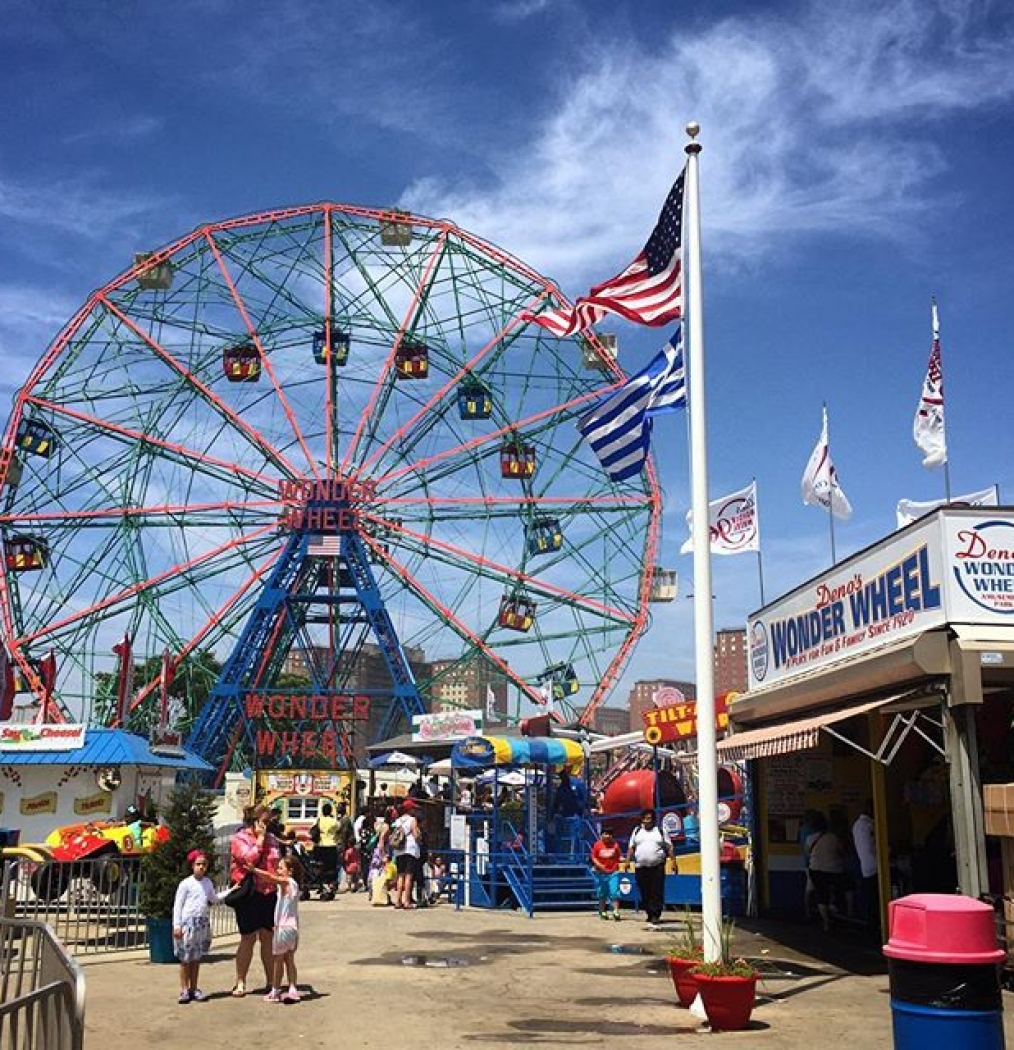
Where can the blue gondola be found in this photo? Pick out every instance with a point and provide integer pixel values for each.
(36, 438)
(474, 401)
(340, 343)
(544, 536)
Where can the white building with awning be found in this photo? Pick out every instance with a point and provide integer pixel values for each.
(891, 678)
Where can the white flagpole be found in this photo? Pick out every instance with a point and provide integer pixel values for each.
(760, 563)
(935, 321)
(830, 484)
(707, 755)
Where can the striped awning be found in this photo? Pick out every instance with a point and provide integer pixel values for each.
(481, 752)
(786, 737)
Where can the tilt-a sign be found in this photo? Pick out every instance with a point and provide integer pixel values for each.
(665, 725)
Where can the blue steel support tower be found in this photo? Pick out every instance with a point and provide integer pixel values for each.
(322, 580)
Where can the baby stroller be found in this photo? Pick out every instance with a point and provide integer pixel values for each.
(314, 878)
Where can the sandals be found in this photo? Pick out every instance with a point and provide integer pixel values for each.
(238, 990)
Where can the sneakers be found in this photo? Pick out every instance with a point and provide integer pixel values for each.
(197, 996)
(274, 996)
(184, 997)
(616, 916)
(603, 915)
(292, 995)
(239, 990)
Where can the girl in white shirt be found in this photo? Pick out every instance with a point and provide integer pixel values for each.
(192, 924)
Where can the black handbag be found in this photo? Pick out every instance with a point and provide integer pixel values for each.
(243, 891)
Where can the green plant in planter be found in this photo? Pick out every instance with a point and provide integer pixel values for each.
(688, 944)
(728, 965)
(188, 818)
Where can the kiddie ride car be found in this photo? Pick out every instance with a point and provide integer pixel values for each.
(96, 851)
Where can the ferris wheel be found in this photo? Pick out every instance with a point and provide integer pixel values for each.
(324, 372)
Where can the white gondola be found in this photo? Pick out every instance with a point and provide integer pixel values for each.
(664, 585)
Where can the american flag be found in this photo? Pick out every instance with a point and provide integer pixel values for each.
(928, 426)
(649, 291)
(619, 429)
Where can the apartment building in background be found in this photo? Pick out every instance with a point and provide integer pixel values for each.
(730, 661)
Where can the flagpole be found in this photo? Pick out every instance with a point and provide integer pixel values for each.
(830, 487)
(935, 321)
(707, 755)
(760, 563)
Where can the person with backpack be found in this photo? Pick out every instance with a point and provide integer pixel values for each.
(648, 849)
(404, 839)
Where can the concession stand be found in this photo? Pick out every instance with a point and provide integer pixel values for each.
(888, 681)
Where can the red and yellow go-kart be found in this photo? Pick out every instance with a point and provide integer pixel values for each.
(95, 850)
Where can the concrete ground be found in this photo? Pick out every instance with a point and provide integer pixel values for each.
(472, 979)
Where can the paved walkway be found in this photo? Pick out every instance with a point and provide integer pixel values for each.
(388, 980)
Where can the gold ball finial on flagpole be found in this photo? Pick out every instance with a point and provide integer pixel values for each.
(693, 129)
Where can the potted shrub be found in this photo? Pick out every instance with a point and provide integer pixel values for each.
(188, 819)
(727, 987)
(682, 955)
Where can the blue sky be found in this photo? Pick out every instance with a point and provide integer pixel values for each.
(857, 160)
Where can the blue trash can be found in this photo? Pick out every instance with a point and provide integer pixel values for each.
(944, 969)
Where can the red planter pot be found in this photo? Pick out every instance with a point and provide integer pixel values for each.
(728, 1001)
(683, 978)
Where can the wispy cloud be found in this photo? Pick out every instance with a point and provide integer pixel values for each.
(82, 208)
(29, 319)
(814, 125)
(519, 10)
(126, 130)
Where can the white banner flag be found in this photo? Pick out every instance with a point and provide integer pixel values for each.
(820, 487)
(733, 523)
(928, 427)
(908, 510)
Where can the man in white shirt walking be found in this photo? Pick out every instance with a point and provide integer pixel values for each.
(648, 849)
(864, 837)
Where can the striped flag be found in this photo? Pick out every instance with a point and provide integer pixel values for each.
(928, 426)
(619, 429)
(649, 291)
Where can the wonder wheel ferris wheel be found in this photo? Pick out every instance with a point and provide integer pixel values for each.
(309, 434)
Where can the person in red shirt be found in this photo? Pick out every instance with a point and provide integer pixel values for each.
(605, 861)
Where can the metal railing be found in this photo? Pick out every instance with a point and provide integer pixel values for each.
(91, 905)
(42, 990)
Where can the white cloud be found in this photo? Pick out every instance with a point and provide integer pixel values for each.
(820, 124)
(79, 207)
(29, 319)
(519, 10)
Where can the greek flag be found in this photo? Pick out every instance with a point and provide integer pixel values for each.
(619, 429)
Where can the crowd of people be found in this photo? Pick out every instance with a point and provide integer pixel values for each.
(384, 852)
(841, 868)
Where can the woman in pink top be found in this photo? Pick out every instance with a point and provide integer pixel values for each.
(253, 846)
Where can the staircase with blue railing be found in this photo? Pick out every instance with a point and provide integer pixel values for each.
(550, 881)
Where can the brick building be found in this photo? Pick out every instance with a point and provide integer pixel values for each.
(730, 661)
